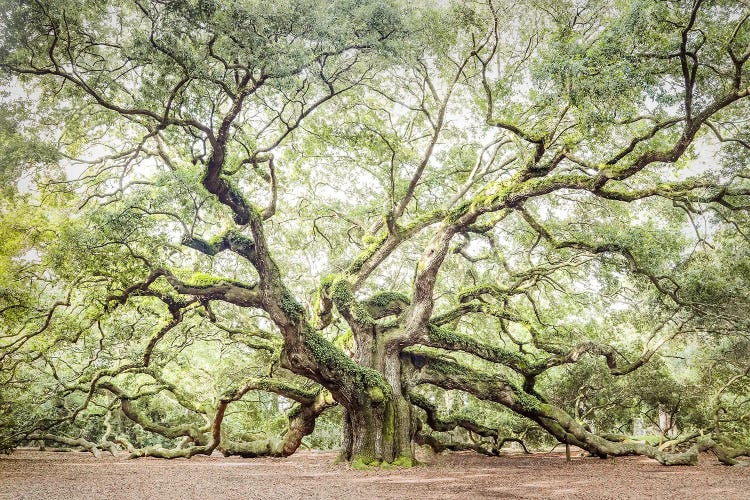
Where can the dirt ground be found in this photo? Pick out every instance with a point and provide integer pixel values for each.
(32, 474)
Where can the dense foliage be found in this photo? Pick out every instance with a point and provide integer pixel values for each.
(450, 224)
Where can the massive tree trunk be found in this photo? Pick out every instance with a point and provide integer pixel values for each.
(403, 418)
(368, 433)
(378, 432)
(378, 427)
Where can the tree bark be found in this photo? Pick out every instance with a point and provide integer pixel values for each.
(378, 428)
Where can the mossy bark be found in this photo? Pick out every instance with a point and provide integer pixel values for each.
(379, 430)
(402, 431)
(371, 436)
(364, 429)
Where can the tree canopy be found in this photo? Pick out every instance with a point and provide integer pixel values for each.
(222, 219)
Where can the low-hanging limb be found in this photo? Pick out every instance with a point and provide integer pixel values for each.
(195, 433)
(449, 374)
(105, 443)
(207, 438)
(463, 420)
(302, 419)
(448, 339)
(438, 444)
(214, 438)
(90, 446)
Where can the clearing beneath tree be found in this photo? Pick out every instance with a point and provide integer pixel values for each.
(32, 474)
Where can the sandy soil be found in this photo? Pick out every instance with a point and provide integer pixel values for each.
(32, 474)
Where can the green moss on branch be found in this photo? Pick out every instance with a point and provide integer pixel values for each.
(448, 339)
(361, 379)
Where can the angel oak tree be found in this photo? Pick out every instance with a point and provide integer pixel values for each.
(359, 202)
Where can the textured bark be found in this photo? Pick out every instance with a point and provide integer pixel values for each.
(380, 428)
(364, 425)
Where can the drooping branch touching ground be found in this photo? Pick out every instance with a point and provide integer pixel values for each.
(195, 433)
(452, 421)
(301, 423)
(94, 448)
(440, 443)
(448, 374)
(206, 438)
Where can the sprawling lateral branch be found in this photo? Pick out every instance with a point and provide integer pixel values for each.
(206, 438)
(382, 200)
(492, 386)
(436, 422)
(203, 437)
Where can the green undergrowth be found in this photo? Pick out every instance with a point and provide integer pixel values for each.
(366, 463)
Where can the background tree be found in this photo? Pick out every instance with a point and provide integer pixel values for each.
(363, 204)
